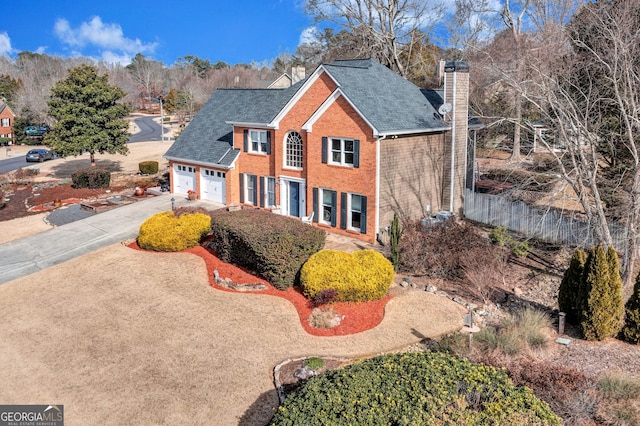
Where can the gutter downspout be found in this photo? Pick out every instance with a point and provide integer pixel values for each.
(453, 140)
(380, 139)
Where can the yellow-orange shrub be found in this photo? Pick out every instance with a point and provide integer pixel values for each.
(356, 277)
(166, 232)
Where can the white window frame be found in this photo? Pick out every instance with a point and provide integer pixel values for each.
(293, 155)
(261, 144)
(270, 196)
(6, 122)
(342, 152)
(350, 211)
(322, 205)
(249, 193)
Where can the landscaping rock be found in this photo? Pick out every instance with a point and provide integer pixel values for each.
(304, 373)
(431, 288)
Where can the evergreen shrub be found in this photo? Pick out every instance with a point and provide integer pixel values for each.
(91, 177)
(356, 277)
(167, 232)
(272, 246)
(414, 388)
(570, 287)
(148, 167)
(631, 330)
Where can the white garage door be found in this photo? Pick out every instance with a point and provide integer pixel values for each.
(214, 187)
(184, 178)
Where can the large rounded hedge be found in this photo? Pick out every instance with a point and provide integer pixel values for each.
(167, 232)
(419, 388)
(356, 277)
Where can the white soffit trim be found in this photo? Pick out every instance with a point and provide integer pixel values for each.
(308, 125)
(275, 123)
(201, 163)
(251, 125)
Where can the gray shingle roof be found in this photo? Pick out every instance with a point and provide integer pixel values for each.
(389, 102)
(209, 138)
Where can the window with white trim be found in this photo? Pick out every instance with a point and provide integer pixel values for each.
(342, 151)
(5, 122)
(327, 207)
(189, 169)
(270, 192)
(293, 150)
(354, 212)
(258, 141)
(250, 189)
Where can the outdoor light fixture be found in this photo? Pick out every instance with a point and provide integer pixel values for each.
(173, 202)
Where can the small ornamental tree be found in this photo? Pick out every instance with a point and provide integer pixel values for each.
(600, 317)
(615, 284)
(631, 330)
(88, 115)
(394, 241)
(570, 286)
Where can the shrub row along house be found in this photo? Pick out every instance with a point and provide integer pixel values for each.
(351, 144)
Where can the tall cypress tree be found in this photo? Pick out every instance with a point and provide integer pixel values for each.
(600, 318)
(615, 289)
(568, 301)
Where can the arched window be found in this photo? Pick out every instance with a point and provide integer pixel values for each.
(293, 150)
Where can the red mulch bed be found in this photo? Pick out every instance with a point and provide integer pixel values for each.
(358, 317)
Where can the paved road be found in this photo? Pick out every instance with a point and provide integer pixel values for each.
(37, 252)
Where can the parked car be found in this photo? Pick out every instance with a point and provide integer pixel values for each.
(36, 130)
(39, 155)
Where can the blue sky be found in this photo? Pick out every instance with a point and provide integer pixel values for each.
(233, 31)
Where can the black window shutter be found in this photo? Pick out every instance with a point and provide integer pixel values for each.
(242, 187)
(356, 153)
(325, 147)
(316, 213)
(334, 207)
(343, 210)
(254, 180)
(246, 140)
(268, 142)
(363, 215)
(262, 190)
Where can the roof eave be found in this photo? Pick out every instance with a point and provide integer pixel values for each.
(250, 124)
(413, 131)
(202, 163)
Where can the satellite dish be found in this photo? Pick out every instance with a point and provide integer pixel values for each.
(444, 109)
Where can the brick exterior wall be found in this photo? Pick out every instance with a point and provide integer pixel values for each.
(7, 131)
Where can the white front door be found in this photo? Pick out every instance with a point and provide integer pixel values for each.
(292, 197)
(214, 186)
(184, 178)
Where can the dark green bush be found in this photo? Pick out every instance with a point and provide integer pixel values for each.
(631, 330)
(419, 388)
(570, 287)
(148, 167)
(91, 177)
(273, 246)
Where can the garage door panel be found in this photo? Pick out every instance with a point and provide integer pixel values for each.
(213, 186)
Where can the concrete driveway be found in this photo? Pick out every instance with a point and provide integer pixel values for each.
(120, 336)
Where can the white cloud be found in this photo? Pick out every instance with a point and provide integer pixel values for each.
(96, 33)
(115, 58)
(5, 44)
(309, 35)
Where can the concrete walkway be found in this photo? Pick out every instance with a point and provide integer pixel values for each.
(43, 250)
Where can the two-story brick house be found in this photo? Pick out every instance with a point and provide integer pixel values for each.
(352, 143)
(6, 121)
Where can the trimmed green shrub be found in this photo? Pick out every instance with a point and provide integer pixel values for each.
(570, 286)
(314, 363)
(631, 330)
(148, 167)
(417, 388)
(167, 232)
(272, 246)
(601, 296)
(91, 177)
(356, 277)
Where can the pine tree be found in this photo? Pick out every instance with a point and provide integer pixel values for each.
(88, 115)
(570, 286)
(599, 313)
(631, 330)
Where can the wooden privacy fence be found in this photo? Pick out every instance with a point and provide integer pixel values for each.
(549, 225)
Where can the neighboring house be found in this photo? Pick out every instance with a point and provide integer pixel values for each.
(285, 80)
(7, 118)
(352, 143)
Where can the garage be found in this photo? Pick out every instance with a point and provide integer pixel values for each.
(184, 178)
(214, 186)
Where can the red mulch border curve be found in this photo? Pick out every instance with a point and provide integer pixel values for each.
(358, 317)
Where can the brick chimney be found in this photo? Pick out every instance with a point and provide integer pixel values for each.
(456, 94)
